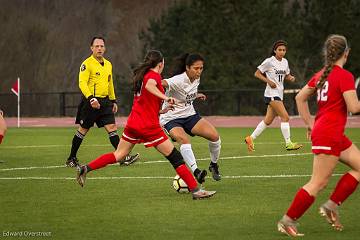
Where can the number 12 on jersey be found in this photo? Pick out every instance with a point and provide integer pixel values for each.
(322, 93)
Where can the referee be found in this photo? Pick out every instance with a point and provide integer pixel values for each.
(98, 104)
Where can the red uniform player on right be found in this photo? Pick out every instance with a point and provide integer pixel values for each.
(336, 95)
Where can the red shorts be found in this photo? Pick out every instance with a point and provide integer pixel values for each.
(150, 138)
(331, 146)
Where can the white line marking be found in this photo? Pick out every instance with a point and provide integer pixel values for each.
(160, 177)
(165, 161)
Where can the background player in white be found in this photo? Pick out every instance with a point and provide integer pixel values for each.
(184, 120)
(273, 71)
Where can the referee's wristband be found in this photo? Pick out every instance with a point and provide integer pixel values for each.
(113, 101)
(93, 100)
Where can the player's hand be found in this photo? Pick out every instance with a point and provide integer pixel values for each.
(201, 96)
(94, 103)
(290, 78)
(170, 100)
(115, 108)
(168, 108)
(308, 132)
(272, 84)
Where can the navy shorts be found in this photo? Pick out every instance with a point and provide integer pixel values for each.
(186, 123)
(267, 100)
(87, 116)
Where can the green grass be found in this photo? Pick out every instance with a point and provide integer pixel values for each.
(250, 198)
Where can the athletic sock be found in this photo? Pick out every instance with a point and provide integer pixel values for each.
(1, 138)
(258, 130)
(188, 155)
(102, 161)
(186, 175)
(114, 139)
(285, 130)
(302, 201)
(76, 142)
(214, 148)
(344, 188)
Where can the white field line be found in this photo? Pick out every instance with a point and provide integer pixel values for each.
(107, 145)
(165, 161)
(158, 177)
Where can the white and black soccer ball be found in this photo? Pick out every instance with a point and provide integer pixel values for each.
(179, 185)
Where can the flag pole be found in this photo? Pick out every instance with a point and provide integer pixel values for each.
(18, 103)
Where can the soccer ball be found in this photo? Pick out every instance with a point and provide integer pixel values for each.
(179, 185)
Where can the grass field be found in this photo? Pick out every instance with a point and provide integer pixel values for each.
(38, 194)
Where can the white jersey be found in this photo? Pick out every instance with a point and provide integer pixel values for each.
(181, 88)
(275, 71)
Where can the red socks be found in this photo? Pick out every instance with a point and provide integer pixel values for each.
(300, 204)
(1, 138)
(344, 188)
(102, 161)
(187, 176)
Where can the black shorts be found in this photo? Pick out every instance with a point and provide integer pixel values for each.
(267, 100)
(87, 116)
(186, 123)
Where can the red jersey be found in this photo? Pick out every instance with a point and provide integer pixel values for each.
(146, 106)
(331, 116)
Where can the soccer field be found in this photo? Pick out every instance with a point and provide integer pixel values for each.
(40, 195)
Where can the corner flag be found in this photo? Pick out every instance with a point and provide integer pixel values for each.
(16, 90)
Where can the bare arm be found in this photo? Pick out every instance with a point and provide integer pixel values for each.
(151, 87)
(258, 74)
(303, 107)
(352, 101)
(164, 83)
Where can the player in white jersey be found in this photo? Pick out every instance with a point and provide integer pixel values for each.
(274, 71)
(184, 120)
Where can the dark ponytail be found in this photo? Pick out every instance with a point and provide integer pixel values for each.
(334, 48)
(186, 59)
(152, 58)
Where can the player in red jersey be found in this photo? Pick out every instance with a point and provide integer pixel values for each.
(143, 125)
(335, 88)
(3, 127)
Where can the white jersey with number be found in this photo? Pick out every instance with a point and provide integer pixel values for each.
(275, 71)
(181, 88)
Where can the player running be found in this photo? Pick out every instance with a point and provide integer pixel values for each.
(184, 120)
(274, 71)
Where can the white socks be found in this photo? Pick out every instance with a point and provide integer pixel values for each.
(214, 148)
(258, 130)
(188, 155)
(285, 129)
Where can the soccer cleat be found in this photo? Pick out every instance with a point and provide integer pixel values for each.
(250, 143)
(81, 175)
(331, 217)
(201, 194)
(289, 228)
(293, 146)
(200, 175)
(214, 169)
(130, 159)
(72, 162)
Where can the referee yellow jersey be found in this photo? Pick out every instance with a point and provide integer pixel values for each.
(96, 79)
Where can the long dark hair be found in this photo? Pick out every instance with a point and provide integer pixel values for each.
(277, 44)
(152, 58)
(186, 59)
(334, 48)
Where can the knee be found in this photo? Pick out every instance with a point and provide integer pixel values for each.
(181, 139)
(285, 118)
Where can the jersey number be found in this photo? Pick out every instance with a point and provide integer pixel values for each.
(322, 93)
(281, 78)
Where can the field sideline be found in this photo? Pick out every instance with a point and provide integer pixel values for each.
(40, 195)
